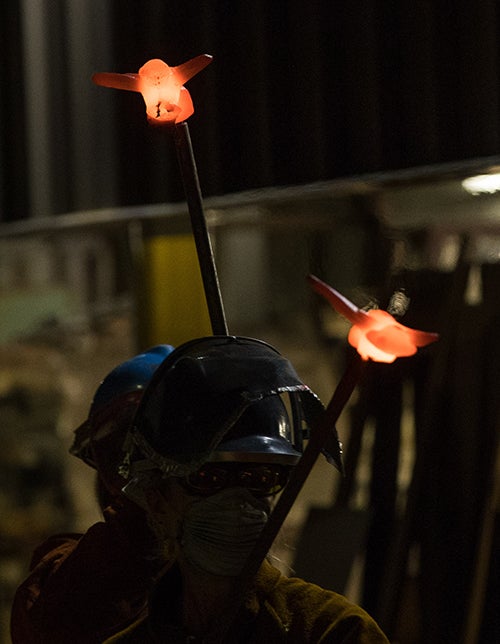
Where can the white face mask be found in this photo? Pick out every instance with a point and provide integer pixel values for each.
(220, 531)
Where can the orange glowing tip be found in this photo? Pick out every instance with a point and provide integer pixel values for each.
(167, 100)
(375, 334)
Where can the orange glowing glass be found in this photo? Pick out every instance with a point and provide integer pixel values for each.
(162, 87)
(375, 334)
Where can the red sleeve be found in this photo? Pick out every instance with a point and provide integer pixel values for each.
(81, 587)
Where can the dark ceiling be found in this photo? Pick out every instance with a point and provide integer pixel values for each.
(297, 92)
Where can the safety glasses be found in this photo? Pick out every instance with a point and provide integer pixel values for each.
(260, 480)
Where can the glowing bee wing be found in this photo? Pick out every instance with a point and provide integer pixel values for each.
(186, 71)
(340, 303)
(375, 334)
(117, 81)
(167, 100)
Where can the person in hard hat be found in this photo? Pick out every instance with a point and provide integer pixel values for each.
(215, 438)
(82, 587)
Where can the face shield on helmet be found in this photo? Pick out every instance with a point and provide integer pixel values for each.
(264, 432)
(220, 398)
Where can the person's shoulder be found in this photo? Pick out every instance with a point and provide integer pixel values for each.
(321, 613)
(136, 633)
(54, 546)
(299, 592)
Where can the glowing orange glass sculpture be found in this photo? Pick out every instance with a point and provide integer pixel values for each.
(375, 334)
(161, 86)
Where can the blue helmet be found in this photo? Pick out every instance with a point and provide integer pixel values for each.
(115, 402)
(129, 377)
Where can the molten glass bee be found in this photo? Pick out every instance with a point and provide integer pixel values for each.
(375, 334)
(167, 101)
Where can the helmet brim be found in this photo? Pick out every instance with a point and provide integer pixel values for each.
(256, 449)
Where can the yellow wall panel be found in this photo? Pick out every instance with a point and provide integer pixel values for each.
(174, 307)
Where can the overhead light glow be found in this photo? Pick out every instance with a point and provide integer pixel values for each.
(482, 184)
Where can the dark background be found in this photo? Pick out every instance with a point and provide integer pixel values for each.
(297, 92)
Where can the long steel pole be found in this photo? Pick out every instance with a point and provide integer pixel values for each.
(187, 165)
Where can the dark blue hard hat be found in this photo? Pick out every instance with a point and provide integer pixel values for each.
(223, 398)
(117, 397)
(130, 376)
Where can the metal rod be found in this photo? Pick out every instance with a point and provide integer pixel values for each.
(192, 191)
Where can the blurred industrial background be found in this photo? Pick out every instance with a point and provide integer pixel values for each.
(331, 138)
